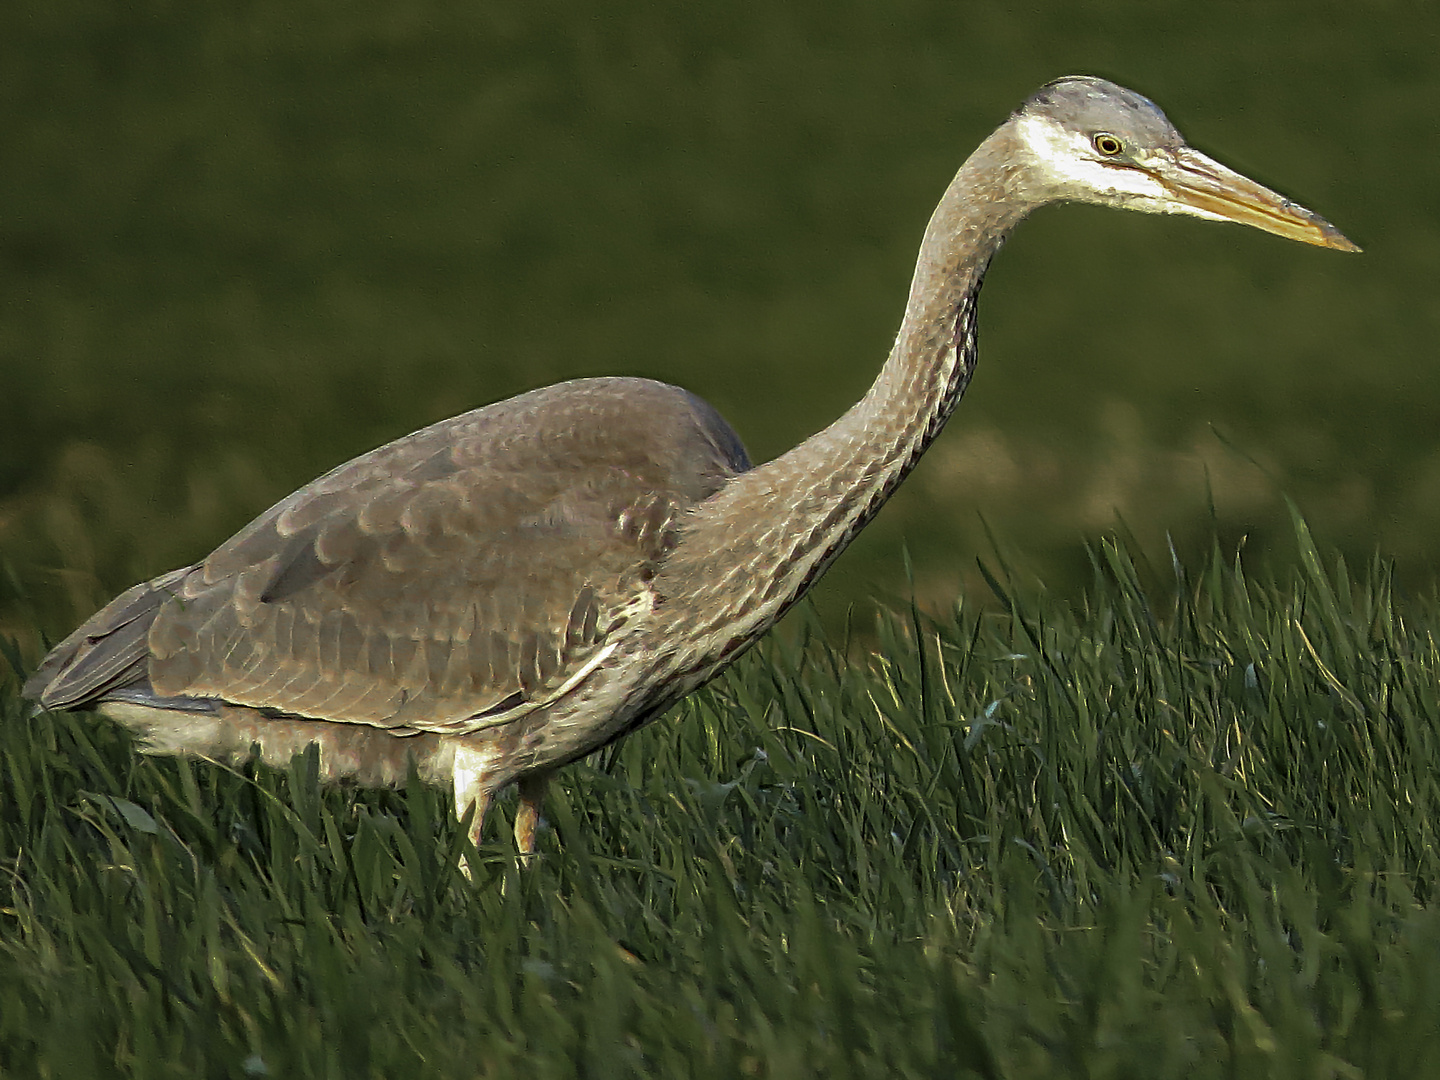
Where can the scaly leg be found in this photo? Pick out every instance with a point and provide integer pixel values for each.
(527, 816)
(470, 789)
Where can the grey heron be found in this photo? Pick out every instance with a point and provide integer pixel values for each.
(506, 591)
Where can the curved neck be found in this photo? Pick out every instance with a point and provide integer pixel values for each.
(753, 548)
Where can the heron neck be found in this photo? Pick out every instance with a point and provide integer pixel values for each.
(754, 547)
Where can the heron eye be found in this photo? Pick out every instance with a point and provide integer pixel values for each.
(1108, 144)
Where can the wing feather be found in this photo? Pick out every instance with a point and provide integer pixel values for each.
(450, 580)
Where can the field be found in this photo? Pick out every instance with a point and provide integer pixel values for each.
(1182, 827)
(1156, 818)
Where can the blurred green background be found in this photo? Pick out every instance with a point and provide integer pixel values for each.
(242, 242)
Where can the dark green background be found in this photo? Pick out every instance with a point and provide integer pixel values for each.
(240, 243)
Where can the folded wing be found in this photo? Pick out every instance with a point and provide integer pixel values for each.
(448, 581)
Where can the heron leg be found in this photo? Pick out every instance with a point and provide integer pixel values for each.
(527, 816)
(481, 802)
(471, 790)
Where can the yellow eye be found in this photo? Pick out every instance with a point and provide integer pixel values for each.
(1108, 144)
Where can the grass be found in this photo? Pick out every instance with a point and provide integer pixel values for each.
(1185, 827)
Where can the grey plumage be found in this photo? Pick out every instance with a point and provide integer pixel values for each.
(506, 591)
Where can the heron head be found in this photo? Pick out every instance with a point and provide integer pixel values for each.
(1083, 139)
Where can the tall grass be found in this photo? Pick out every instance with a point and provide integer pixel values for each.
(1183, 827)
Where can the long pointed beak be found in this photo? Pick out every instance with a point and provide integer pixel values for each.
(1208, 189)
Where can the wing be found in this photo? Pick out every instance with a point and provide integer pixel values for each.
(108, 652)
(453, 579)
